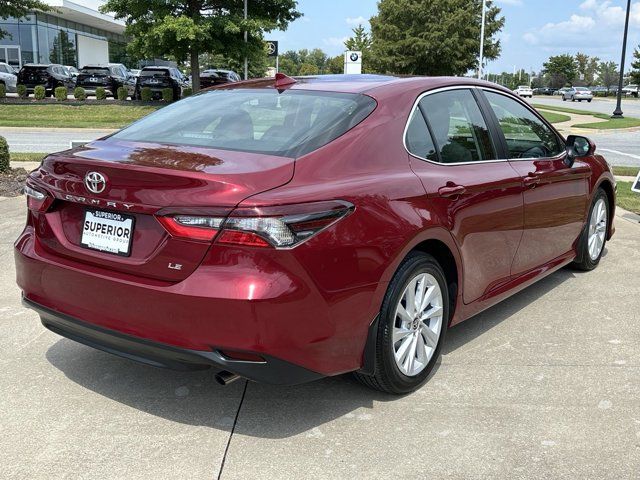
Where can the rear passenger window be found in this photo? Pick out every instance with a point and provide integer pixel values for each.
(527, 136)
(418, 138)
(459, 130)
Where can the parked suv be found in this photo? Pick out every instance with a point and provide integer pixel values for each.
(159, 78)
(110, 77)
(212, 77)
(8, 77)
(289, 229)
(50, 76)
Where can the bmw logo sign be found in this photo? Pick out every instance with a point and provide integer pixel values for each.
(354, 57)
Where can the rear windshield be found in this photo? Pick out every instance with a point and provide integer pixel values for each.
(154, 73)
(581, 89)
(288, 124)
(95, 70)
(31, 67)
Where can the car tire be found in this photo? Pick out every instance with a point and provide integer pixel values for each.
(594, 235)
(588, 101)
(564, 99)
(388, 376)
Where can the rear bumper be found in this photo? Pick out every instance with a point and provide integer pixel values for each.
(272, 370)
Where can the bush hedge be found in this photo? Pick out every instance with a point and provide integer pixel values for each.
(123, 93)
(167, 94)
(61, 93)
(101, 93)
(4, 155)
(39, 92)
(3, 90)
(187, 92)
(79, 93)
(22, 91)
(146, 94)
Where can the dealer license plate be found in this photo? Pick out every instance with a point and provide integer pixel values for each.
(109, 232)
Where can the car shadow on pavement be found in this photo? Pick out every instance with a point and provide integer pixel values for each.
(194, 398)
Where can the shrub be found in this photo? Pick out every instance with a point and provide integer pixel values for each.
(61, 93)
(123, 93)
(3, 90)
(4, 155)
(22, 91)
(146, 94)
(79, 93)
(39, 92)
(167, 94)
(101, 93)
(188, 91)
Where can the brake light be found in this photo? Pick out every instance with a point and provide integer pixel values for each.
(279, 227)
(37, 201)
(192, 227)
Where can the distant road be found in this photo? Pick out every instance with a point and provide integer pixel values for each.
(47, 140)
(630, 107)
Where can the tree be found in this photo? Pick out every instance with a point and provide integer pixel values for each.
(257, 64)
(361, 41)
(308, 69)
(64, 50)
(435, 37)
(635, 65)
(183, 29)
(291, 62)
(609, 74)
(587, 67)
(560, 70)
(18, 9)
(336, 64)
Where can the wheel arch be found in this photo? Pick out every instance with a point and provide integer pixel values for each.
(609, 189)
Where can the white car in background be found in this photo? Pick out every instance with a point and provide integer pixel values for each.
(577, 93)
(631, 90)
(524, 91)
(8, 77)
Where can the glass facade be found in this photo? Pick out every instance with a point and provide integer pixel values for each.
(42, 38)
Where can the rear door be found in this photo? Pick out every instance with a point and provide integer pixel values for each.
(555, 196)
(478, 197)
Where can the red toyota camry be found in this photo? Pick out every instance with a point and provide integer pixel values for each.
(284, 230)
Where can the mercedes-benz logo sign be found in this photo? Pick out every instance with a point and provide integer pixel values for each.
(95, 182)
(271, 48)
(354, 57)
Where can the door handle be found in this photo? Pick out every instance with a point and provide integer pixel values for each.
(451, 191)
(531, 180)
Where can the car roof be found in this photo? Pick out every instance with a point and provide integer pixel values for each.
(374, 85)
(157, 68)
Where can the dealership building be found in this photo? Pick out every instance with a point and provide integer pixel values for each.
(70, 34)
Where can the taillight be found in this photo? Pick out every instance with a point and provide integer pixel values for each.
(192, 227)
(37, 201)
(280, 227)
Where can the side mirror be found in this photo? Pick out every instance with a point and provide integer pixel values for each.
(577, 147)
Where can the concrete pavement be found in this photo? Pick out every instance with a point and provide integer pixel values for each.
(48, 140)
(630, 106)
(544, 385)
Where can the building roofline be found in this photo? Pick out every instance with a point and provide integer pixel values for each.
(86, 16)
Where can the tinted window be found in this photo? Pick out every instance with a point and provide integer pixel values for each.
(289, 124)
(527, 136)
(154, 72)
(95, 70)
(459, 130)
(418, 139)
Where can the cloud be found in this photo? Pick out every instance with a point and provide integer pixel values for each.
(515, 3)
(357, 20)
(335, 41)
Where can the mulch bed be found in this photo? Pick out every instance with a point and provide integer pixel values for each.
(74, 102)
(12, 182)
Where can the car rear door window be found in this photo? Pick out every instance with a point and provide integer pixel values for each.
(459, 130)
(527, 135)
(418, 139)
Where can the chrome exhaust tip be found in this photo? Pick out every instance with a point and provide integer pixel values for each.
(225, 378)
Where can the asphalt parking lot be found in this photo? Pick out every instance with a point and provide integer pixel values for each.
(544, 385)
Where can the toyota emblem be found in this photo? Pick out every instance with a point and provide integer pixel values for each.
(95, 182)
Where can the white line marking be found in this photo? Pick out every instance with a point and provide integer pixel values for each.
(637, 157)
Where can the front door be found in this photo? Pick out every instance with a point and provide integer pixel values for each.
(555, 196)
(477, 197)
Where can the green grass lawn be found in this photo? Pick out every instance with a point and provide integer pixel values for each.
(71, 116)
(27, 157)
(570, 110)
(626, 171)
(608, 123)
(555, 117)
(627, 199)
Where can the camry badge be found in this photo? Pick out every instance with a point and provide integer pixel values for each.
(95, 182)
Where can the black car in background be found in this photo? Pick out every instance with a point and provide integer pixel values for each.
(51, 76)
(213, 77)
(543, 91)
(159, 78)
(110, 77)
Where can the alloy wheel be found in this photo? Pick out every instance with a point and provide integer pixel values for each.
(418, 324)
(597, 229)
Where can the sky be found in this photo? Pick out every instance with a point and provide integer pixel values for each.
(534, 29)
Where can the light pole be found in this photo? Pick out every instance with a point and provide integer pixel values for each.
(484, 16)
(246, 60)
(617, 113)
